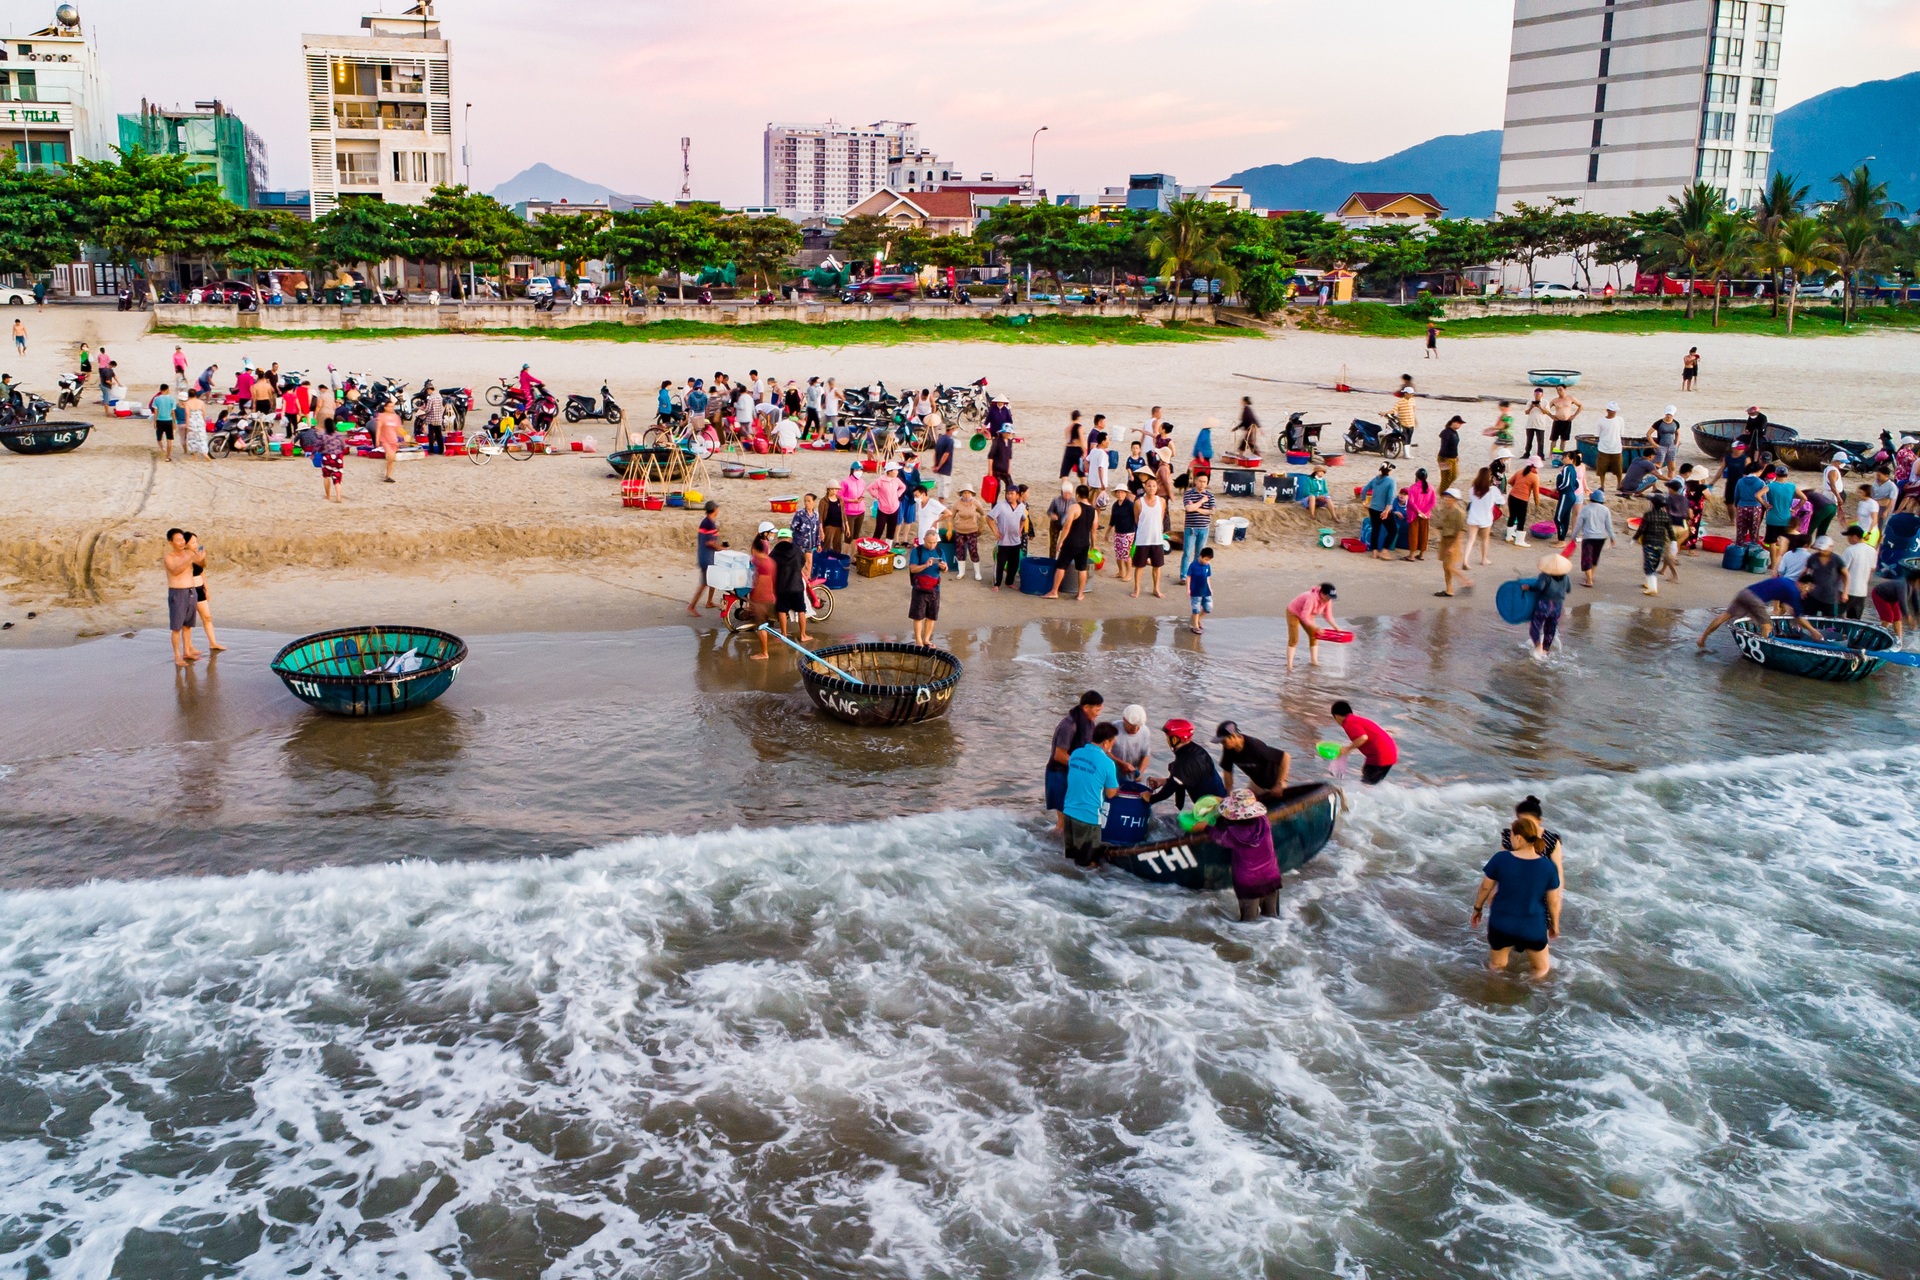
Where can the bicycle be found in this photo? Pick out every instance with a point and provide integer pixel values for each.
(489, 438)
(738, 618)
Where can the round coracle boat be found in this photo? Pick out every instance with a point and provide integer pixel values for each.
(1814, 455)
(899, 683)
(660, 455)
(1302, 818)
(370, 671)
(45, 437)
(1715, 435)
(1846, 654)
(1554, 377)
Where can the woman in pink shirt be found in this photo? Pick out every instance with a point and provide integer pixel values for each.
(853, 501)
(1301, 612)
(1420, 496)
(887, 492)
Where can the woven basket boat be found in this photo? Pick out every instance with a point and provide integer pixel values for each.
(339, 671)
(900, 683)
(1302, 818)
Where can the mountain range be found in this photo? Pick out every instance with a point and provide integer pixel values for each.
(544, 182)
(1814, 140)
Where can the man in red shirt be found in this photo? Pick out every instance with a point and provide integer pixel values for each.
(1375, 745)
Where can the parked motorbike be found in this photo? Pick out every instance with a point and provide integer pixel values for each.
(579, 406)
(706, 297)
(1301, 436)
(71, 385)
(1373, 437)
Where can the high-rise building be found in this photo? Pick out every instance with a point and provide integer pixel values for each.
(826, 169)
(380, 110)
(53, 97)
(211, 138)
(1622, 103)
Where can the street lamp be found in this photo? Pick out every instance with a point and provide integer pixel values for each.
(1033, 153)
(466, 158)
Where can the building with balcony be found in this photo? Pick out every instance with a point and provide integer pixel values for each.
(1388, 209)
(1620, 106)
(212, 139)
(826, 169)
(53, 97)
(380, 110)
(1152, 192)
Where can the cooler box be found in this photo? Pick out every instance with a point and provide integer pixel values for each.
(1240, 484)
(1036, 576)
(834, 568)
(730, 571)
(874, 566)
(1284, 487)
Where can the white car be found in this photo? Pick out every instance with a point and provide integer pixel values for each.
(1547, 289)
(16, 297)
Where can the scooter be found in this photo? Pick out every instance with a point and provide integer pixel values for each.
(1300, 435)
(579, 407)
(71, 385)
(1371, 437)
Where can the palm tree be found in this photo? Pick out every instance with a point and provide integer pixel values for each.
(1729, 246)
(1862, 197)
(1782, 200)
(1856, 248)
(1185, 244)
(1685, 235)
(1799, 249)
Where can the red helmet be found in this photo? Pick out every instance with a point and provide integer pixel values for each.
(1181, 729)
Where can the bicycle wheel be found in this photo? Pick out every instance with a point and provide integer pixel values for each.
(819, 604)
(519, 450)
(477, 450)
(656, 437)
(739, 618)
(496, 396)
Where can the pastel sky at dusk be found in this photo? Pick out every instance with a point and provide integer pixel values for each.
(1198, 88)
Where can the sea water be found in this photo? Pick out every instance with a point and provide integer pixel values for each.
(835, 1042)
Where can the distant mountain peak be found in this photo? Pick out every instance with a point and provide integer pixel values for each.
(544, 182)
(1462, 170)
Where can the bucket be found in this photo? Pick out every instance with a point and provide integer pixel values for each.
(1036, 576)
(834, 568)
(869, 465)
(1240, 527)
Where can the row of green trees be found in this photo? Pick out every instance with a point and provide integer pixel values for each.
(141, 207)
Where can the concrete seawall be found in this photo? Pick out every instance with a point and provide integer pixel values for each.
(479, 317)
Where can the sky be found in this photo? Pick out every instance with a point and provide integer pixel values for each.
(604, 89)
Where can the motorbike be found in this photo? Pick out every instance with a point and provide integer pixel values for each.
(579, 406)
(456, 399)
(23, 408)
(1373, 437)
(540, 414)
(1301, 436)
(737, 618)
(706, 297)
(71, 385)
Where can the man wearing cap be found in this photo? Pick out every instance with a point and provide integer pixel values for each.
(1265, 766)
(1665, 433)
(1608, 448)
(1756, 430)
(1092, 780)
(1074, 731)
(1449, 524)
(1191, 774)
(706, 545)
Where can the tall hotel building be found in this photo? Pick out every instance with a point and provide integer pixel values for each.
(1622, 103)
(826, 169)
(380, 110)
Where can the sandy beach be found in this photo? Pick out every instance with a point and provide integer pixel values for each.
(545, 542)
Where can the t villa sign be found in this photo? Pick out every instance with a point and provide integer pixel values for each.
(34, 115)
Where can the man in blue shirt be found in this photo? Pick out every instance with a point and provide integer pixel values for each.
(1757, 603)
(924, 567)
(1780, 496)
(1092, 780)
(1749, 508)
(163, 405)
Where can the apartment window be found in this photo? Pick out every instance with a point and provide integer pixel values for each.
(1761, 92)
(1716, 126)
(1728, 50)
(1766, 55)
(1723, 89)
(439, 168)
(1732, 14)
(1772, 19)
(404, 77)
(355, 79)
(1753, 166)
(1716, 166)
(356, 115)
(357, 168)
(39, 155)
(410, 166)
(1760, 130)
(24, 88)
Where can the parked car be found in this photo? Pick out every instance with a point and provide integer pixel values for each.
(1829, 290)
(1547, 289)
(16, 297)
(227, 292)
(545, 286)
(889, 286)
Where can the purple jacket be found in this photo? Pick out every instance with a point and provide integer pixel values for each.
(1250, 841)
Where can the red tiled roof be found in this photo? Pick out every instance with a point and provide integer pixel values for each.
(944, 204)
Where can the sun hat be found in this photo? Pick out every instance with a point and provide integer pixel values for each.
(1454, 493)
(1672, 410)
(1823, 543)
(1555, 564)
(1613, 406)
(1241, 805)
(1135, 715)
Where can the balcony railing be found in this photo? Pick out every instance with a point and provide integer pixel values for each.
(32, 93)
(357, 178)
(398, 122)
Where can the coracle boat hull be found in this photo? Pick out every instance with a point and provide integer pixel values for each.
(899, 683)
(1302, 817)
(1781, 652)
(329, 670)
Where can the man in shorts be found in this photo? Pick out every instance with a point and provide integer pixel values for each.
(1092, 780)
(1757, 603)
(163, 406)
(1608, 448)
(1074, 731)
(1666, 442)
(183, 602)
(1375, 745)
(924, 567)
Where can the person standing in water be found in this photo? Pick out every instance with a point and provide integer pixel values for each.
(182, 601)
(1549, 598)
(1522, 885)
(1243, 830)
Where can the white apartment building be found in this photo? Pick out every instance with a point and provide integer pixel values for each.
(380, 110)
(53, 97)
(920, 171)
(1622, 103)
(826, 169)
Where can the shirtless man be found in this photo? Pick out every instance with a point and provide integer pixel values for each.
(182, 600)
(1564, 409)
(386, 426)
